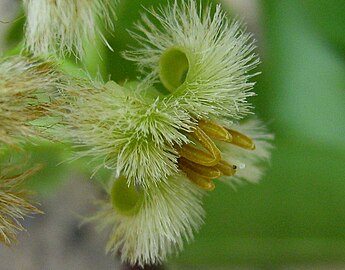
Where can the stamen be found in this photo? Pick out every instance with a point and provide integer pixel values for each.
(207, 143)
(200, 166)
(215, 131)
(197, 179)
(226, 168)
(196, 155)
(207, 172)
(241, 140)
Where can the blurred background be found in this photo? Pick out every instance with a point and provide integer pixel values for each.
(293, 219)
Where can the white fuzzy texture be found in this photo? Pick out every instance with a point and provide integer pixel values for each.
(124, 131)
(219, 52)
(62, 26)
(22, 80)
(170, 213)
(250, 163)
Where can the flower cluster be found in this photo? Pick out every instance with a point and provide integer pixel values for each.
(167, 137)
(166, 150)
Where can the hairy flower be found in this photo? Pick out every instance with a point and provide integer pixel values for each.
(182, 141)
(61, 26)
(14, 205)
(23, 83)
(202, 58)
(124, 129)
(149, 226)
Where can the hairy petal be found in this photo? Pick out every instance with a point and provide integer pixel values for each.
(26, 85)
(123, 130)
(61, 26)
(169, 214)
(218, 56)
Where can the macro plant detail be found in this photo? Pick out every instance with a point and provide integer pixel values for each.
(26, 86)
(166, 137)
(200, 166)
(14, 201)
(61, 26)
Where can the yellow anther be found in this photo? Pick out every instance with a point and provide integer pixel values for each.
(226, 168)
(207, 172)
(215, 131)
(202, 166)
(196, 155)
(241, 140)
(197, 179)
(199, 135)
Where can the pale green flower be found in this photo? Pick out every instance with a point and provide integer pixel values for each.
(149, 226)
(166, 150)
(62, 26)
(202, 58)
(14, 205)
(124, 129)
(23, 82)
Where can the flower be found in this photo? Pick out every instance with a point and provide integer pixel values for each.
(61, 26)
(25, 86)
(123, 129)
(149, 226)
(203, 59)
(167, 149)
(14, 204)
